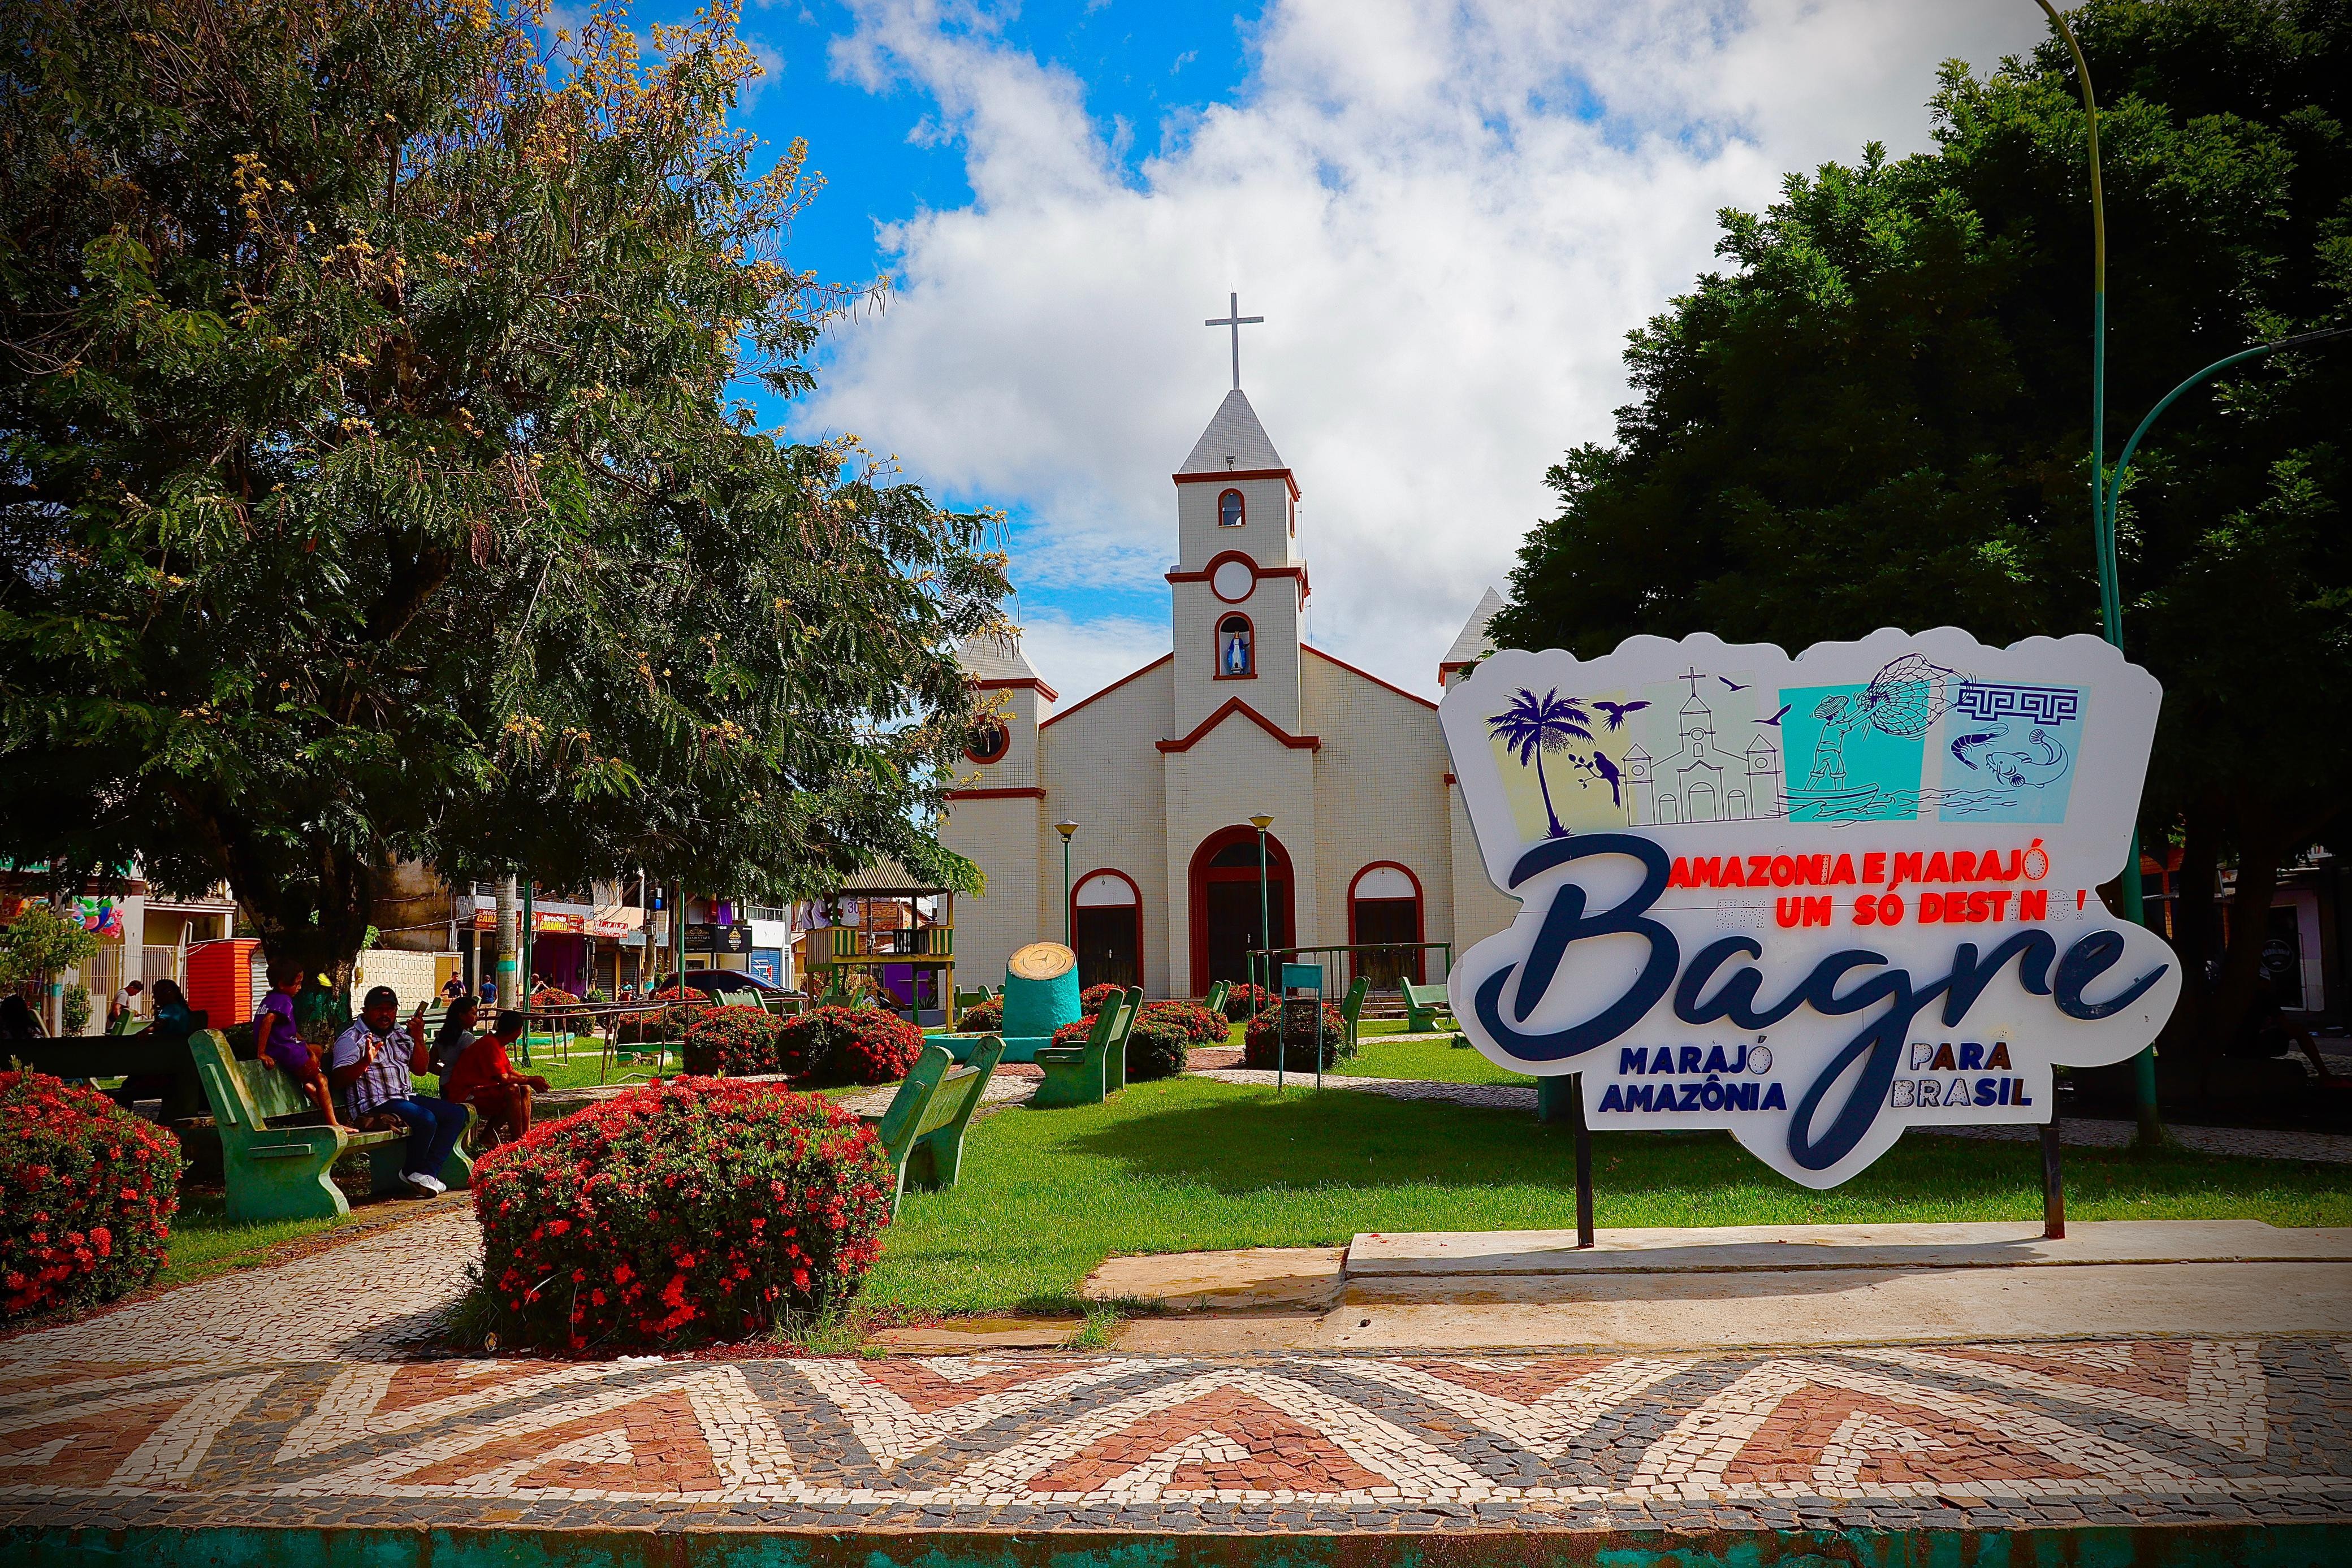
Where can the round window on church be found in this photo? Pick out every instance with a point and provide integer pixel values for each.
(1236, 654)
(1233, 581)
(989, 741)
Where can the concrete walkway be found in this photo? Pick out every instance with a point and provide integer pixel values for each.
(2244, 1143)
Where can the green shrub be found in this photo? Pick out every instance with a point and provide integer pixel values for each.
(1155, 1049)
(731, 1042)
(87, 1195)
(1298, 1046)
(827, 1046)
(75, 1004)
(1244, 1002)
(697, 1209)
(1197, 1024)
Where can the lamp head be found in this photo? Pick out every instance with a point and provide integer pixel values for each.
(1065, 828)
(1262, 821)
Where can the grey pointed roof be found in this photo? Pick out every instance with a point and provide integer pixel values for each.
(1234, 442)
(1474, 643)
(987, 656)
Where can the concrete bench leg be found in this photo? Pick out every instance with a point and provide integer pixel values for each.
(282, 1186)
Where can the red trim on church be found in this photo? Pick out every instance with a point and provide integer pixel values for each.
(1368, 676)
(1015, 683)
(1234, 706)
(1231, 474)
(1006, 792)
(1079, 706)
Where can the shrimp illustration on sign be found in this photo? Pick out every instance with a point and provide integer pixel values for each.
(2045, 761)
(1532, 725)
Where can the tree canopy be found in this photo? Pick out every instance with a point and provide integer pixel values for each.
(1878, 414)
(378, 476)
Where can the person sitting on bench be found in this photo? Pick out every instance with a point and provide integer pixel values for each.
(280, 1043)
(484, 1077)
(372, 1058)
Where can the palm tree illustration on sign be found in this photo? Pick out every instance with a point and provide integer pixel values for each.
(1534, 725)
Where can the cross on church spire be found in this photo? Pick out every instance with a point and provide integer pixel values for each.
(1236, 321)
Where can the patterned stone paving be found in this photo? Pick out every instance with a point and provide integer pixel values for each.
(1981, 1436)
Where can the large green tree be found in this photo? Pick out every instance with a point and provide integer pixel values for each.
(1878, 414)
(377, 480)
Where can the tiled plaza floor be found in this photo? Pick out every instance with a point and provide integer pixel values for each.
(279, 1397)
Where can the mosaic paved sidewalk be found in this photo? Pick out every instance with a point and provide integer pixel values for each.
(1981, 1436)
(2075, 1132)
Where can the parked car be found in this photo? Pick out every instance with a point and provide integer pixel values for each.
(713, 982)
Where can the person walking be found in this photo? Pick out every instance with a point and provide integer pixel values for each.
(125, 1000)
(373, 1060)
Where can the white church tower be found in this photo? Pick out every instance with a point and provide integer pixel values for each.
(1162, 771)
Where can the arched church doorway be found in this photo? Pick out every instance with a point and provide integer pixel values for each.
(1225, 904)
(1107, 929)
(1384, 905)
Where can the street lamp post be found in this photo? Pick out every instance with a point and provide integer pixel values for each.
(2150, 1134)
(1069, 920)
(1262, 821)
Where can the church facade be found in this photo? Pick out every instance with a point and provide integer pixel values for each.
(1161, 771)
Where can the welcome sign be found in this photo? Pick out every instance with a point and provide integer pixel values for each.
(1815, 900)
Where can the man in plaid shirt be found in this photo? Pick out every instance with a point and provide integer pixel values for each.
(372, 1059)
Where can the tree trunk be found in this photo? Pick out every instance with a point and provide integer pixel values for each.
(2188, 1039)
(2263, 842)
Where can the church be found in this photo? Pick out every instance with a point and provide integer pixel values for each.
(1157, 775)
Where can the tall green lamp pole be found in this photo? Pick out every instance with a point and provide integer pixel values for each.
(2150, 1134)
(1262, 821)
(1069, 920)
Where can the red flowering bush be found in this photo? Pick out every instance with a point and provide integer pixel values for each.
(685, 1006)
(1244, 1002)
(1093, 997)
(701, 1208)
(1155, 1049)
(87, 1195)
(731, 1042)
(824, 1046)
(1195, 1022)
(1076, 1034)
(982, 1017)
(1298, 1046)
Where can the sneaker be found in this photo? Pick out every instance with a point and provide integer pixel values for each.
(429, 1186)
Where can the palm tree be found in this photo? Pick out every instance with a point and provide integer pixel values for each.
(1534, 725)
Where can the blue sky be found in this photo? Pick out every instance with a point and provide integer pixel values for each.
(1450, 215)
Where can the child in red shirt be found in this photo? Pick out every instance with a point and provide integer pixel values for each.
(483, 1077)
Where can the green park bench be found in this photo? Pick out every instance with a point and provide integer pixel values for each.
(277, 1169)
(80, 1058)
(922, 1130)
(1351, 1010)
(1217, 995)
(1085, 1074)
(1423, 1005)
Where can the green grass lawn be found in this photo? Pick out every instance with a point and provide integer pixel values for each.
(1432, 1060)
(1191, 1164)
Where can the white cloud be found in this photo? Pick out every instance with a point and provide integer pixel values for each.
(1079, 658)
(1450, 216)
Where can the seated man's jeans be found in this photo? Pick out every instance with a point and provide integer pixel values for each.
(434, 1126)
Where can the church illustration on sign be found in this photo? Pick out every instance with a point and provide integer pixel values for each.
(1701, 782)
(1162, 770)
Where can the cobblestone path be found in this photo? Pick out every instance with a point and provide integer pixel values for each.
(281, 1396)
